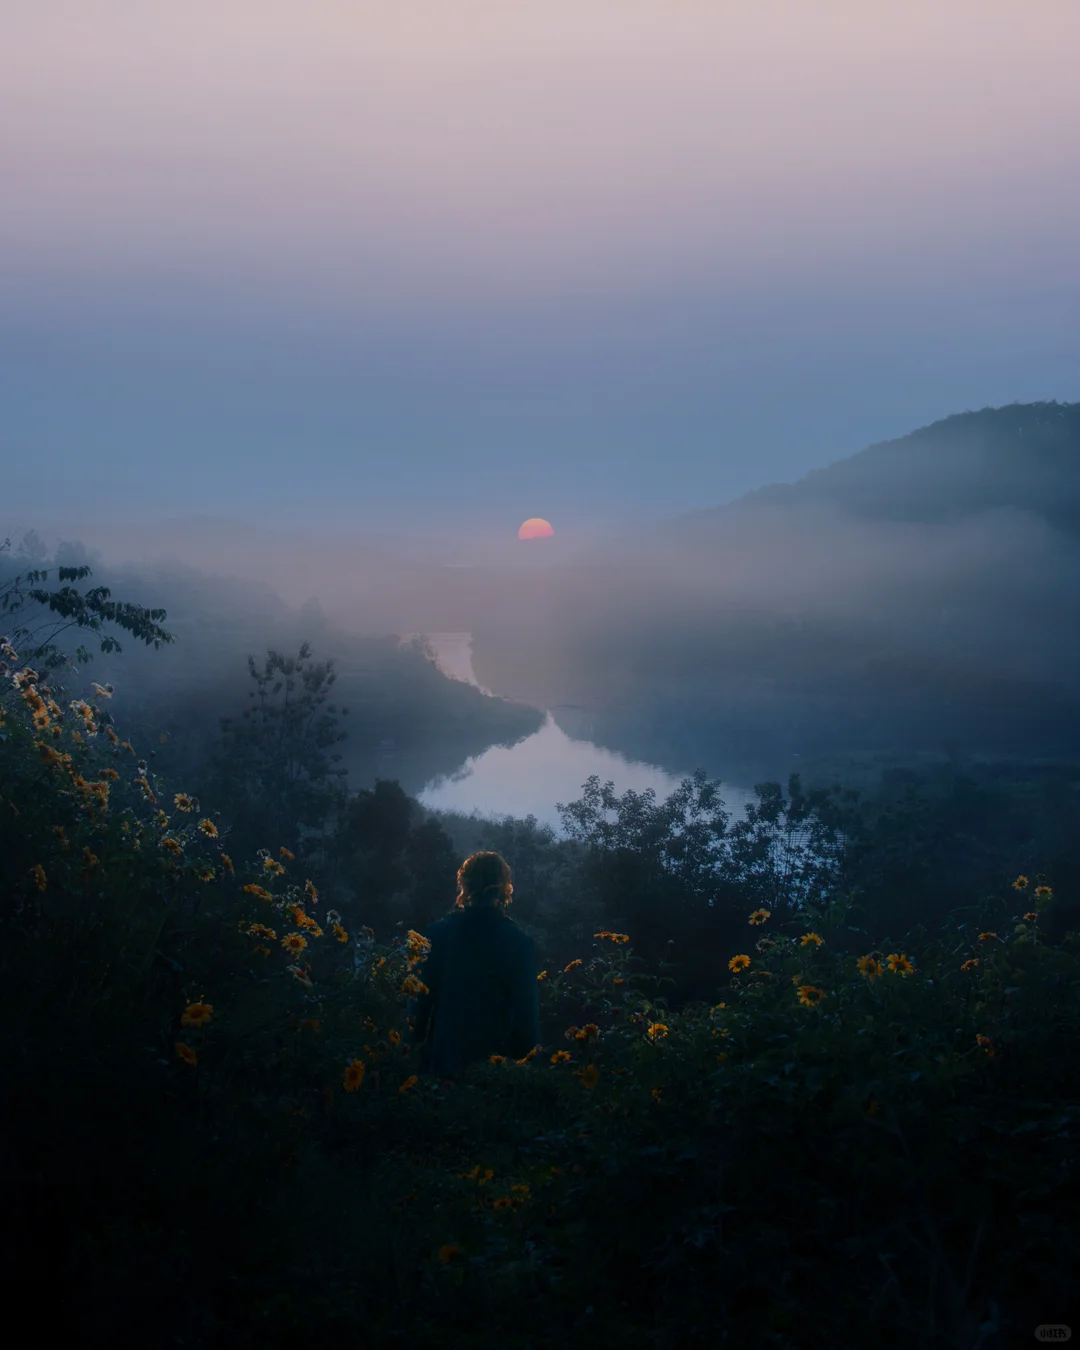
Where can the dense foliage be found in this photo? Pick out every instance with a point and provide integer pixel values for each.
(216, 1134)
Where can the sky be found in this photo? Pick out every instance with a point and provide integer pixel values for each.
(448, 264)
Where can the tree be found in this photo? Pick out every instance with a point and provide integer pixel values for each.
(275, 771)
(400, 865)
(45, 613)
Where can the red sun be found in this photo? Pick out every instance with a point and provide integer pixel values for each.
(535, 528)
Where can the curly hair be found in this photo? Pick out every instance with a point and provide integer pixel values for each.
(484, 879)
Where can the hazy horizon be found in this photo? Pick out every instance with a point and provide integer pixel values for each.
(332, 266)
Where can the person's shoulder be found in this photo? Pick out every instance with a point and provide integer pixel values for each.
(517, 933)
(440, 926)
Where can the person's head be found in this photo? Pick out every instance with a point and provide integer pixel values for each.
(484, 879)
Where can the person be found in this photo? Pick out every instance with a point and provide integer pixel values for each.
(480, 971)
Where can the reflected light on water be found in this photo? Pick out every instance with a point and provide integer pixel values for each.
(545, 768)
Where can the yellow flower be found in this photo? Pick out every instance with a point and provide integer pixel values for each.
(197, 1014)
(1031, 917)
(613, 937)
(900, 964)
(258, 891)
(228, 863)
(810, 996)
(393, 1036)
(450, 1251)
(985, 937)
(260, 930)
(283, 852)
(108, 773)
(723, 1058)
(409, 1082)
(589, 1076)
(528, 1055)
(986, 1044)
(496, 1059)
(588, 1032)
(971, 965)
(313, 894)
(411, 985)
(656, 1094)
(618, 980)
(542, 975)
(186, 1053)
(340, 933)
(183, 802)
(759, 916)
(656, 1031)
(274, 868)
(560, 1056)
(738, 963)
(501, 1202)
(807, 938)
(294, 943)
(208, 828)
(171, 845)
(38, 873)
(1020, 884)
(102, 690)
(147, 790)
(575, 962)
(162, 819)
(1043, 891)
(262, 951)
(354, 1075)
(310, 1024)
(207, 874)
(873, 1107)
(869, 967)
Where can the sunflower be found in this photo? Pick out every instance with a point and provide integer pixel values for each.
(560, 1056)
(738, 963)
(575, 962)
(208, 828)
(759, 916)
(1020, 884)
(340, 933)
(259, 891)
(197, 1014)
(450, 1251)
(1044, 892)
(183, 802)
(496, 1059)
(294, 943)
(354, 1075)
(807, 938)
(656, 1031)
(589, 1076)
(971, 965)
(38, 873)
(186, 1053)
(810, 996)
(869, 967)
(900, 965)
(409, 1082)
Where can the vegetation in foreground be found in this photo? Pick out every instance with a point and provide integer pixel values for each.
(216, 1133)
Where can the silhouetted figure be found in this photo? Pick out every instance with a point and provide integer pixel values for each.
(483, 997)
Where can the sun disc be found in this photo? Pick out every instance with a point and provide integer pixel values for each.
(535, 528)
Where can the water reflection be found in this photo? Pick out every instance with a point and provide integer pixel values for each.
(547, 767)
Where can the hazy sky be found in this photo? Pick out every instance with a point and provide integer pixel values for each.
(309, 261)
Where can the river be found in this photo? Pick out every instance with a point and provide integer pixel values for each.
(550, 766)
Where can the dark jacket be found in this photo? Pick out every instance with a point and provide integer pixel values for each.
(483, 998)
